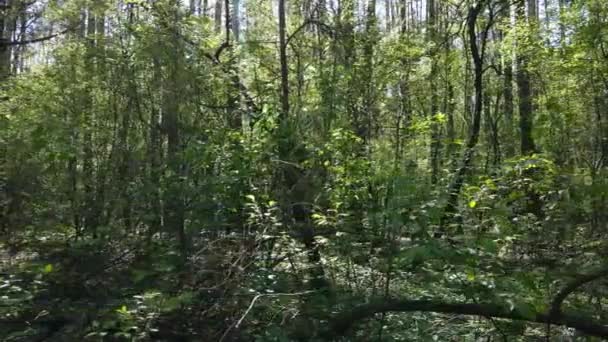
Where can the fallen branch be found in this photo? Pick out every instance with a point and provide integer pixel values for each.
(344, 322)
(559, 298)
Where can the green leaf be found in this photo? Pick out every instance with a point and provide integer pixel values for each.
(48, 268)
(472, 204)
(470, 275)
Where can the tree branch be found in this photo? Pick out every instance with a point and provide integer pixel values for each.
(238, 323)
(559, 298)
(303, 25)
(215, 60)
(345, 321)
(6, 42)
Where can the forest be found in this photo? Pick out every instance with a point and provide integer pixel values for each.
(303, 170)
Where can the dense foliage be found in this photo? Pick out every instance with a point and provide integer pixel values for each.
(304, 170)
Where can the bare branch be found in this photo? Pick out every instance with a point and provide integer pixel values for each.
(240, 321)
(6, 42)
(345, 321)
(303, 25)
(559, 298)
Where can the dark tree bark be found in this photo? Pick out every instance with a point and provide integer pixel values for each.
(19, 51)
(508, 91)
(343, 322)
(525, 108)
(154, 151)
(218, 16)
(283, 62)
(467, 158)
(233, 113)
(227, 23)
(7, 24)
(435, 145)
(236, 23)
(524, 89)
(174, 199)
(366, 118)
(90, 219)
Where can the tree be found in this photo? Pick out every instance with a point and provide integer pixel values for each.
(477, 55)
(526, 109)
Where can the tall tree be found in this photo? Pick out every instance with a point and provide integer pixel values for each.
(174, 197)
(524, 86)
(477, 55)
(283, 64)
(435, 144)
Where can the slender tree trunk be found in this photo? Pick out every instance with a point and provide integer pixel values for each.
(218, 16)
(296, 185)
(369, 93)
(72, 168)
(507, 90)
(174, 199)
(450, 125)
(154, 151)
(348, 57)
(496, 147)
(562, 26)
(227, 22)
(19, 51)
(435, 145)
(404, 93)
(234, 117)
(236, 24)
(124, 168)
(467, 158)
(88, 213)
(6, 33)
(283, 62)
(526, 110)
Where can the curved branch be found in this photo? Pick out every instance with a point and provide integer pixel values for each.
(345, 321)
(559, 298)
(215, 60)
(303, 25)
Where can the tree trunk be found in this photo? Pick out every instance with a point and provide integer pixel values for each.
(526, 110)
(467, 158)
(7, 24)
(435, 144)
(218, 16)
(19, 51)
(283, 62)
(365, 125)
(236, 24)
(174, 200)
(88, 177)
(154, 151)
